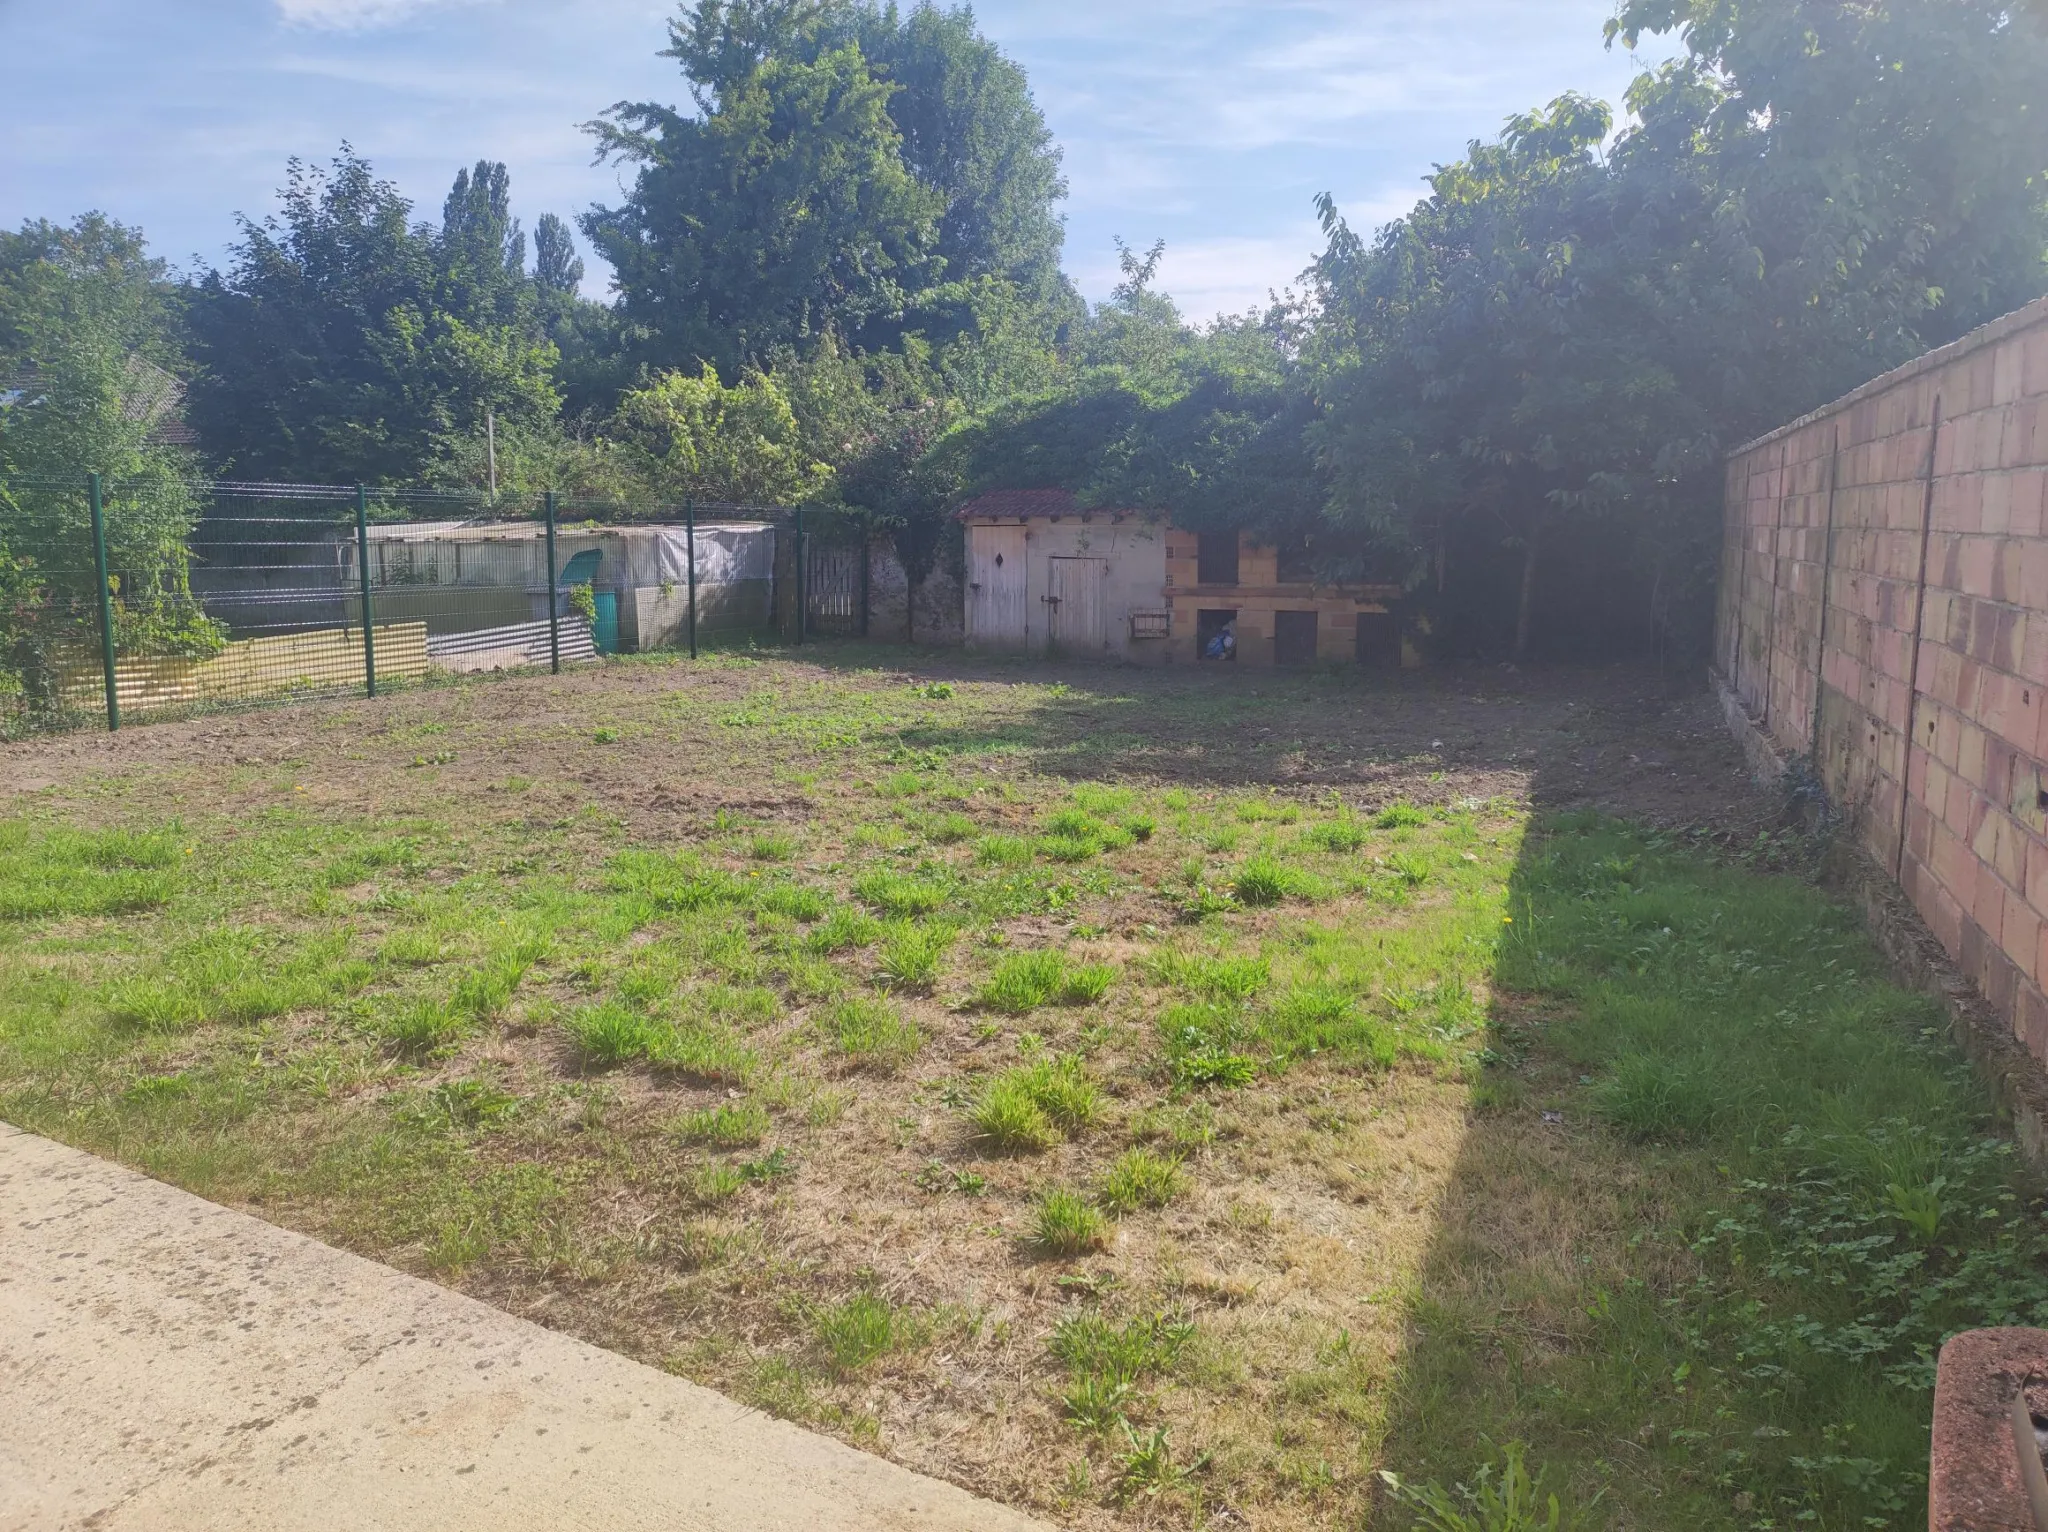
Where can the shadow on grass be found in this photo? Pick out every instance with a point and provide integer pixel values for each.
(1724, 1192)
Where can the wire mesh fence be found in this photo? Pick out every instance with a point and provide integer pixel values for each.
(134, 601)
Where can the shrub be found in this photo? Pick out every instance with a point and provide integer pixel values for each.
(873, 1034)
(729, 1125)
(1400, 814)
(911, 956)
(1067, 1225)
(1141, 1178)
(899, 894)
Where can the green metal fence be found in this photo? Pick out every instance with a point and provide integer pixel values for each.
(132, 601)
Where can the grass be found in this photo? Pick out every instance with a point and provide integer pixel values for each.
(1067, 1224)
(1032, 1081)
(1024, 981)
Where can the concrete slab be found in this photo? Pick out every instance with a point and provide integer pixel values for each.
(167, 1364)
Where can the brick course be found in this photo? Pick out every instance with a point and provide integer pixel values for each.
(1829, 511)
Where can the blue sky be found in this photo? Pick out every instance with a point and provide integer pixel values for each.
(1208, 123)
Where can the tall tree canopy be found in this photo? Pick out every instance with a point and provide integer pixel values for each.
(347, 342)
(848, 169)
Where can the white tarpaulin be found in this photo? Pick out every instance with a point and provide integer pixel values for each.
(725, 555)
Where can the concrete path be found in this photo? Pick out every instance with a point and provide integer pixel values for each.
(169, 1364)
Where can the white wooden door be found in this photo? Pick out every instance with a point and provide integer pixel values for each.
(1077, 616)
(995, 587)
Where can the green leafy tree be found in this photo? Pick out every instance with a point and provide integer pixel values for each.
(737, 444)
(87, 326)
(346, 343)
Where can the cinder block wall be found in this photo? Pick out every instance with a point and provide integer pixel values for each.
(1884, 610)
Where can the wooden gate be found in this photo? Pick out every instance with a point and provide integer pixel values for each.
(996, 587)
(832, 587)
(1077, 624)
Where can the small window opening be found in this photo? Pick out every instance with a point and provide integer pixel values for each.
(1216, 559)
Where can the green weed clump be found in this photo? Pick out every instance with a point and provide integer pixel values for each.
(1515, 1501)
(424, 1027)
(950, 829)
(1262, 881)
(912, 956)
(1202, 1045)
(1340, 836)
(1399, 815)
(861, 1329)
(47, 871)
(873, 1034)
(1231, 979)
(1026, 1109)
(1075, 835)
(729, 1125)
(1024, 981)
(772, 846)
(1004, 851)
(675, 884)
(1653, 1099)
(1067, 1225)
(844, 930)
(1141, 1178)
(612, 1033)
(900, 894)
(1311, 1019)
(793, 901)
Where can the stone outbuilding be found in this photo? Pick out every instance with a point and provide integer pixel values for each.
(1045, 576)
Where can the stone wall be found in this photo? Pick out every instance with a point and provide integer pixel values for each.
(1884, 613)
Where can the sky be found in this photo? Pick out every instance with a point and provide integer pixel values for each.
(1211, 124)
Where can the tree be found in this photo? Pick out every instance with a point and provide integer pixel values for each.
(849, 170)
(346, 343)
(87, 320)
(737, 445)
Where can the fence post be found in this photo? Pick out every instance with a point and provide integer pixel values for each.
(363, 569)
(803, 582)
(554, 603)
(690, 553)
(867, 554)
(99, 554)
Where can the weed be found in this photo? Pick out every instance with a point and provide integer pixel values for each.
(612, 1033)
(900, 894)
(717, 1183)
(729, 1125)
(1004, 851)
(856, 1331)
(1261, 881)
(772, 846)
(793, 901)
(423, 1028)
(1146, 1468)
(466, 1104)
(606, 736)
(1141, 1178)
(1025, 981)
(1653, 1099)
(1339, 836)
(775, 1165)
(1310, 1019)
(1399, 815)
(675, 883)
(935, 691)
(702, 1051)
(1089, 1343)
(873, 1034)
(844, 930)
(1067, 1225)
(1409, 868)
(911, 956)
(1096, 1403)
(1007, 1117)
(1234, 979)
(950, 829)
(1513, 1502)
